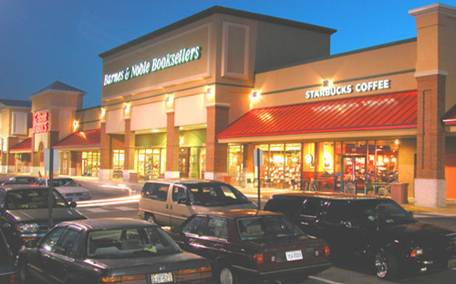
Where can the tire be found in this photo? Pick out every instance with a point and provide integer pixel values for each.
(386, 265)
(226, 276)
(149, 218)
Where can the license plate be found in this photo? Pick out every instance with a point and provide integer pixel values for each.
(161, 278)
(294, 255)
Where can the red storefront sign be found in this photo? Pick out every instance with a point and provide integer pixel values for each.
(41, 122)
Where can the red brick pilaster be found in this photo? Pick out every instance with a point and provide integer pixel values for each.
(172, 147)
(216, 153)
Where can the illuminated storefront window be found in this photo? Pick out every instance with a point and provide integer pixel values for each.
(118, 161)
(192, 153)
(235, 164)
(90, 163)
(150, 163)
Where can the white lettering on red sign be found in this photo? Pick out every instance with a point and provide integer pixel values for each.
(41, 122)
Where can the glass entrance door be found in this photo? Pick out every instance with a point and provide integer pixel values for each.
(354, 173)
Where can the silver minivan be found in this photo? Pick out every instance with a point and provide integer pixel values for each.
(171, 202)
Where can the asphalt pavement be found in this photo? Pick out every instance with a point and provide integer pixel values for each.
(343, 273)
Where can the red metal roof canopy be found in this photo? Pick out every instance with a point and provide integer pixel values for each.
(375, 112)
(80, 140)
(24, 146)
(450, 116)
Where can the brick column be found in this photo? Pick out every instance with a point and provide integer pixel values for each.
(430, 171)
(129, 147)
(75, 163)
(172, 148)
(105, 154)
(216, 153)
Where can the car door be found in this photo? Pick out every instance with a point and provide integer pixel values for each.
(62, 262)
(39, 259)
(215, 239)
(180, 207)
(154, 201)
(308, 216)
(192, 233)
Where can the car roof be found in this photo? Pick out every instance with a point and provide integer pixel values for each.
(239, 213)
(183, 181)
(107, 223)
(11, 187)
(326, 195)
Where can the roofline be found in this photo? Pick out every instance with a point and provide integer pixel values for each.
(360, 50)
(216, 10)
(88, 108)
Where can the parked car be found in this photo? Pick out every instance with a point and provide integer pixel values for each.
(376, 229)
(15, 180)
(24, 213)
(116, 250)
(170, 203)
(70, 189)
(7, 268)
(251, 245)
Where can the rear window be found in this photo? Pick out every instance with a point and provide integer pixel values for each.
(266, 227)
(287, 205)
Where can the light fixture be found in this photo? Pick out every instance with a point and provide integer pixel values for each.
(255, 95)
(169, 99)
(102, 113)
(327, 83)
(126, 110)
(75, 125)
(397, 142)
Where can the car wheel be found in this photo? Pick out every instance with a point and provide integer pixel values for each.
(149, 218)
(386, 265)
(226, 276)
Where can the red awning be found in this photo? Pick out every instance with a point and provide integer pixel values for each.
(88, 139)
(24, 146)
(450, 116)
(375, 112)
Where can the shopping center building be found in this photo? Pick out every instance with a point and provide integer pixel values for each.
(196, 98)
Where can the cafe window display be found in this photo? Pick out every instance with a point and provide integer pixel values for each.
(235, 164)
(90, 163)
(150, 163)
(281, 165)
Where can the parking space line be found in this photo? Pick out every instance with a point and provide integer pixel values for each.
(324, 280)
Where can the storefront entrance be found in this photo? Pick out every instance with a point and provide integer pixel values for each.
(354, 173)
(118, 161)
(90, 163)
(191, 162)
(150, 163)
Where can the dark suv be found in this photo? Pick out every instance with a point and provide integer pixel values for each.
(377, 229)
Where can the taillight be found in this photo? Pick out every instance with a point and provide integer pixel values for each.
(326, 250)
(123, 278)
(258, 258)
(198, 270)
(13, 279)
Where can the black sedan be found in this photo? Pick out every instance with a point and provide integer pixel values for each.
(7, 268)
(116, 250)
(374, 230)
(24, 213)
(249, 245)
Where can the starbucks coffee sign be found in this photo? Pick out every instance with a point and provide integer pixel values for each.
(155, 64)
(363, 87)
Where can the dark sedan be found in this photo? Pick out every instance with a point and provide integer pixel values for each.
(251, 245)
(24, 213)
(22, 180)
(116, 250)
(7, 268)
(376, 230)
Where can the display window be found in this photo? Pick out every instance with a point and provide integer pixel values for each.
(149, 164)
(90, 163)
(235, 163)
(118, 162)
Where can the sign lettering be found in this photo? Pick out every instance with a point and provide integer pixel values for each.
(362, 87)
(40, 122)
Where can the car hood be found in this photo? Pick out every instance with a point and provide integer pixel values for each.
(417, 232)
(41, 215)
(139, 265)
(71, 189)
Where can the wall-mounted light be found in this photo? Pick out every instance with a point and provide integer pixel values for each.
(397, 142)
(102, 114)
(255, 96)
(126, 110)
(327, 83)
(75, 125)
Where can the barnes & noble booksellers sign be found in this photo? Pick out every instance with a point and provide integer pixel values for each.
(168, 60)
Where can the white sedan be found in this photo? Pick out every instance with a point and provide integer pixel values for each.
(71, 190)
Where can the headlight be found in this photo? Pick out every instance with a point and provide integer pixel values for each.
(416, 252)
(28, 228)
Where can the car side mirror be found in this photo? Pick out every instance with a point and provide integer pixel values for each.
(73, 204)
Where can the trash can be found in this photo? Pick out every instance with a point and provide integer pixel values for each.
(399, 192)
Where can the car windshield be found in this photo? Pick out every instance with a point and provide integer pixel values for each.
(130, 242)
(215, 194)
(266, 227)
(383, 211)
(20, 180)
(19, 199)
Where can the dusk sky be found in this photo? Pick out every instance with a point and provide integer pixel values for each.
(47, 40)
